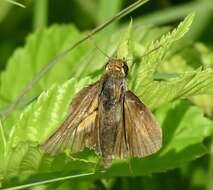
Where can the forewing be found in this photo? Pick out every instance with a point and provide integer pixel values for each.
(142, 132)
(79, 128)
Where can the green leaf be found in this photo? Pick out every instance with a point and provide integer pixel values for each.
(156, 93)
(26, 160)
(150, 62)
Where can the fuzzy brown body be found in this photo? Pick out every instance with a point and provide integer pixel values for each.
(107, 117)
(110, 112)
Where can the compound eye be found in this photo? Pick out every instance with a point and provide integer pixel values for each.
(126, 68)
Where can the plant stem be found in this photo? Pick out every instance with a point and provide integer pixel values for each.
(40, 14)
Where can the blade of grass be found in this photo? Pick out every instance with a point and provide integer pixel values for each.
(48, 181)
(40, 14)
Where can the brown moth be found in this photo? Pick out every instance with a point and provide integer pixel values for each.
(108, 118)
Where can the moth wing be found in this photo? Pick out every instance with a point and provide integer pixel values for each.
(79, 130)
(141, 134)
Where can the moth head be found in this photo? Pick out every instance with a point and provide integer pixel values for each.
(117, 65)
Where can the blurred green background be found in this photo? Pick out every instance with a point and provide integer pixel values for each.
(17, 22)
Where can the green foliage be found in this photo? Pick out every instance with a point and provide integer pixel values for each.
(184, 125)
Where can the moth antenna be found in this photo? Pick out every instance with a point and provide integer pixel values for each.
(152, 50)
(63, 53)
(147, 53)
(100, 50)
